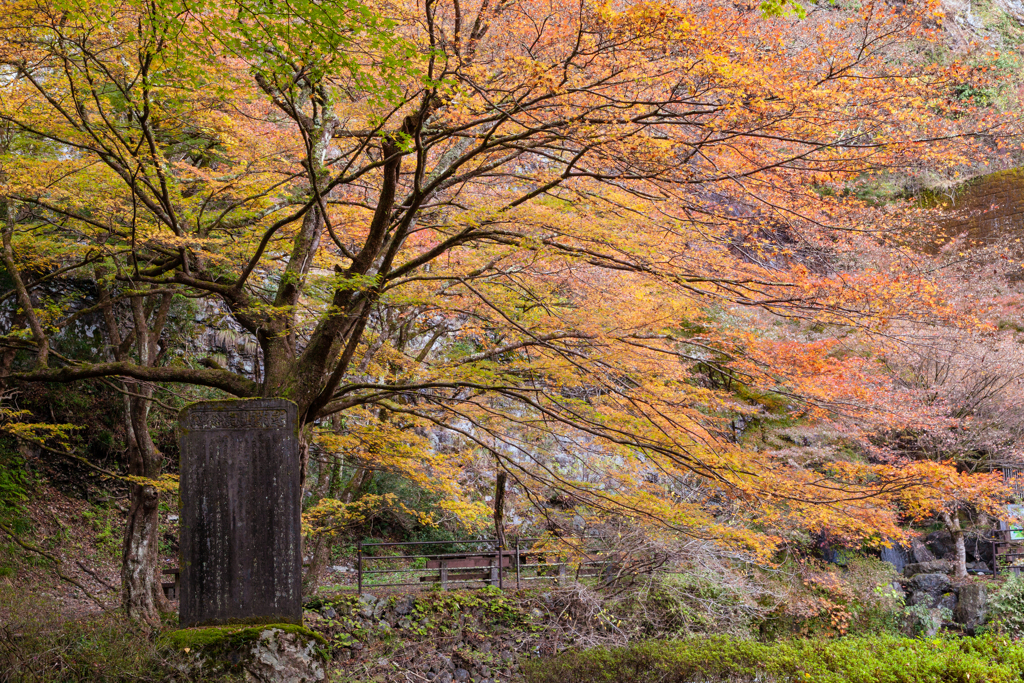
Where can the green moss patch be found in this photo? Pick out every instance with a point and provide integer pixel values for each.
(228, 638)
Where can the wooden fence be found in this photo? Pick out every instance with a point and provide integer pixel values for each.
(484, 564)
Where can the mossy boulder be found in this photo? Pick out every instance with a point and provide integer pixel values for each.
(278, 653)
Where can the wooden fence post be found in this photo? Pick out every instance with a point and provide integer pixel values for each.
(517, 563)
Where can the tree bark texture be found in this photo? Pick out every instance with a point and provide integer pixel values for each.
(141, 591)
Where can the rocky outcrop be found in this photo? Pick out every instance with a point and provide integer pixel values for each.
(931, 567)
(971, 608)
(931, 591)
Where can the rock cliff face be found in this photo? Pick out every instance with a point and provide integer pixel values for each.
(985, 208)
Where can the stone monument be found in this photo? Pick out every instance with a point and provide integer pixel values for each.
(240, 491)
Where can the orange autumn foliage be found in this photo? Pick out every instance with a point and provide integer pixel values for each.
(579, 239)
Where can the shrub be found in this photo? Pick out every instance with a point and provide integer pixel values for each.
(879, 659)
(1006, 607)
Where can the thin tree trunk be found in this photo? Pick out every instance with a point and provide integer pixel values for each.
(953, 524)
(321, 543)
(499, 509)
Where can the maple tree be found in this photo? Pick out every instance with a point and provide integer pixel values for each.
(551, 230)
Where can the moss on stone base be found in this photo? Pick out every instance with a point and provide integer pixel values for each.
(212, 639)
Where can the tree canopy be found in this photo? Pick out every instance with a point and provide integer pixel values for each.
(581, 243)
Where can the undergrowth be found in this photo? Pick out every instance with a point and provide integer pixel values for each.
(869, 659)
(39, 645)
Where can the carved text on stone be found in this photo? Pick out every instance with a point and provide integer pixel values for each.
(237, 419)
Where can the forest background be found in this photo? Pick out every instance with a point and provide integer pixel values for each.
(676, 271)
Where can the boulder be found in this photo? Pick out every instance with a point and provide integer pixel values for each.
(931, 590)
(931, 626)
(978, 545)
(972, 608)
(276, 653)
(282, 657)
(947, 601)
(932, 567)
(899, 556)
(940, 543)
(933, 583)
(919, 552)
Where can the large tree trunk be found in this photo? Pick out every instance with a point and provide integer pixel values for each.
(953, 525)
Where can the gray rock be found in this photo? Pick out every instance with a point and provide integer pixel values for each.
(366, 605)
(946, 601)
(972, 608)
(444, 677)
(404, 605)
(461, 675)
(405, 622)
(933, 584)
(940, 543)
(921, 598)
(281, 657)
(920, 553)
(897, 555)
(329, 613)
(383, 626)
(379, 609)
(932, 567)
(978, 545)
(485, 670)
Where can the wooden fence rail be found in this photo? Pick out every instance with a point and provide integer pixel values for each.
(491, 565)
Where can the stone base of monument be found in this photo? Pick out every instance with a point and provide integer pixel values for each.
(271, 653)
